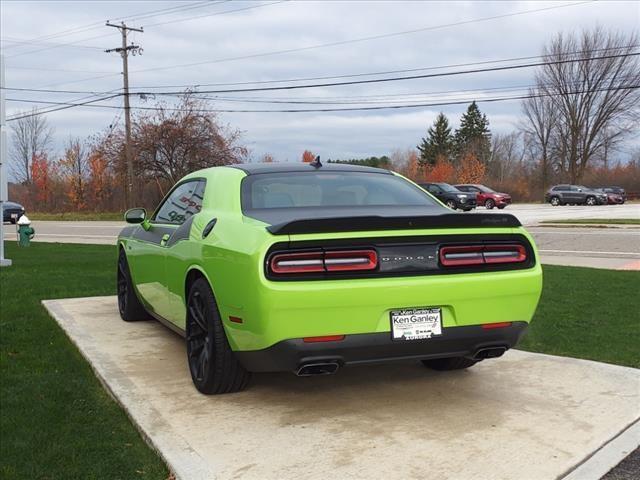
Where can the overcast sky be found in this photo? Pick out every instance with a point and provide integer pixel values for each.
(444, 33)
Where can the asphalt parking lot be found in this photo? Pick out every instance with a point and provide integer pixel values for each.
(527, 416)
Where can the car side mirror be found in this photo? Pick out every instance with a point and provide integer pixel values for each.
(135, 215)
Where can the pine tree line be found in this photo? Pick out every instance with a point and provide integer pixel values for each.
(472, 138)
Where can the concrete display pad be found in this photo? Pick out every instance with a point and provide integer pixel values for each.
(523, 416)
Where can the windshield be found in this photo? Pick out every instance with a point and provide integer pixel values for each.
(329, 189)
(486, 189)
(447, 188)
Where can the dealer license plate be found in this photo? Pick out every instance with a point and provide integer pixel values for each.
(416, 323)
(14, 215)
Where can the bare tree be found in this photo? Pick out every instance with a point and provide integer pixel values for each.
(169, 144)
(32, 137)
(507, 155)
(540, 125)
(596, 96)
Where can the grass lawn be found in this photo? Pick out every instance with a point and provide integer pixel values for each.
(588, 313)
(596, 221)
(56, 421)
(77, 216)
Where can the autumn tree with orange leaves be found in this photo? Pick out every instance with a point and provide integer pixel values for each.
(442, 171)
(74, 169)
(100, 181)
(308, 156)
(471, 169)
(41, 178)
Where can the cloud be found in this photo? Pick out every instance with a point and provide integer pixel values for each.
(292, 25)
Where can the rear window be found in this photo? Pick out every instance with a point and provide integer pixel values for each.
(329, 189)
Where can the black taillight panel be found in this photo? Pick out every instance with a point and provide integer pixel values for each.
(398, 256)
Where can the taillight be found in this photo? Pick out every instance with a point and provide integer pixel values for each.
(468, 255)
(321, 261)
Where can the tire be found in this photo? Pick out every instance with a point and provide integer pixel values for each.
(554, 201)
(501, 207)
(213, 366)
(129, 305)
(591, 201)
(451, 204)
(489, 204)
(451, 363)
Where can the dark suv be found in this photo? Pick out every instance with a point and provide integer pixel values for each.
(451, 196)
(574, 194)
(11, 211)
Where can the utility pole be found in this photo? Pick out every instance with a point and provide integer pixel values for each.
(4, 262)
(124, 50)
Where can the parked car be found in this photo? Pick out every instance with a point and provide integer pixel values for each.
(11, 211)
(615, 195)
(308, 268)
(486, 196)
(574, 194)
(451, 196)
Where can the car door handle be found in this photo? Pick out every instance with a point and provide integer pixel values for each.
(165, 239)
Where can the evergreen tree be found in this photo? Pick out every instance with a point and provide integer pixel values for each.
(474, 135)
(438, 143)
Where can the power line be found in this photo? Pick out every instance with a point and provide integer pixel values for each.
(355, 75)
(22, 42)
(215, 13)
(350, 109)
(149, 15)
(57, 46)
(65, 70)
(96, 25)
(65, 107)
(384, 72)
(395, 79)
(365, 39)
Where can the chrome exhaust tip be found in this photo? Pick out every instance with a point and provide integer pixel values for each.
(313, 369)
(492, 352)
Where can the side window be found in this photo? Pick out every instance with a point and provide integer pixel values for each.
(433, 188)
(462, 188)
(184, 201)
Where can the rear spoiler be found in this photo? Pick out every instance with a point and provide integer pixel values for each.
(363, 223)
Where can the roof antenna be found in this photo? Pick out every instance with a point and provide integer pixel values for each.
(316, 163)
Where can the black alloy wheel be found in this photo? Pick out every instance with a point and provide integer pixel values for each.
(129, 305)
(213, 366)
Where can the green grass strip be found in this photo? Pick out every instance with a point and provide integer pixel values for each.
(56, 420)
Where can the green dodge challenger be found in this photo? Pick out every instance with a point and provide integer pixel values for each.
(308, 268)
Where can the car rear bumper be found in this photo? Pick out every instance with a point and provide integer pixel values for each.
(367, 348)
